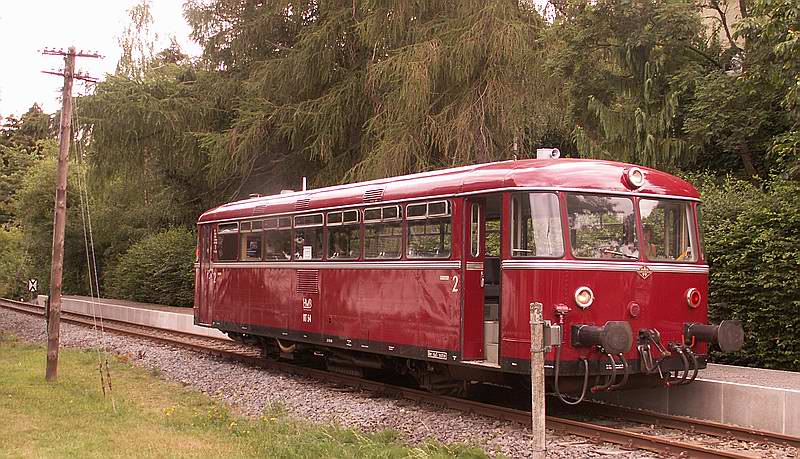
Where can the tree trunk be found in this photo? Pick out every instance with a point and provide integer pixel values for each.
(749, 168)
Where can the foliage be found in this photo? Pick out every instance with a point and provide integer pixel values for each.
(752, 239)
(34, 203)
(619, 60)
(21, 144)
(12, 263)
(396, 87)
(158, 269)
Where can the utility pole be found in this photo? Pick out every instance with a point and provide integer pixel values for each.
(60, 218)
(537, 382)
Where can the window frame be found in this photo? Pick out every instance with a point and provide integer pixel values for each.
(231, 228)
(267, 227)
(636, 230)
(244, 233)
(392, 220)
(475, 230)
(448, 213)
(560, 210)
(341, 224)
(692, 230)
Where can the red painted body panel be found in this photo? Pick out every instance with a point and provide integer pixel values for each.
(661, 297)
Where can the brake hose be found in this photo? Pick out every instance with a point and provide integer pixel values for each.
(610, 379)
(585, 379)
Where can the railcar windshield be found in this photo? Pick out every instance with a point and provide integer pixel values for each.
(602, 227)
(667, 230)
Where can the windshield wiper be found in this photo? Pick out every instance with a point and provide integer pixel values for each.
(614, 252)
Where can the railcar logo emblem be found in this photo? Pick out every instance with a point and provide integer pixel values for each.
(645, 272)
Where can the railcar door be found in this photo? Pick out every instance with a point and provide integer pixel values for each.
(481, 331)
(203, 277)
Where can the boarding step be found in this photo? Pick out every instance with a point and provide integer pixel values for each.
(481, 363)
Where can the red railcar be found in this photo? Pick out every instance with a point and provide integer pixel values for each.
(432, 275)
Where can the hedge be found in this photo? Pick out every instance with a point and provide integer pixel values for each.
(157, 269)
(752, 241)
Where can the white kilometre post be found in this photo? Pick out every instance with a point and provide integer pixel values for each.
(538, 447)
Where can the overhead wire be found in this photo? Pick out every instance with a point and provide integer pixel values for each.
(91, 259)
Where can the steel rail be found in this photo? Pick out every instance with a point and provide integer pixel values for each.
(251, 356)
(690, 425)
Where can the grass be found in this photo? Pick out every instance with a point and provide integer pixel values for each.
(150, 417)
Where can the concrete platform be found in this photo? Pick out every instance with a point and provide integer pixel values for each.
(166, 317)
(771, 402)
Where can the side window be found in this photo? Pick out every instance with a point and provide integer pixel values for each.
(250, 241)
(308, 237)
(536, 226)
(475, 229)
(430, 231)
(278, 239)
(344, 235)
(228, 242)
(383, 232)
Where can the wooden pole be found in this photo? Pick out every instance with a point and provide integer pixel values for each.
(59, 220)
(538, 446)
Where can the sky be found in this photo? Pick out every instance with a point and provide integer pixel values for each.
(28, 26)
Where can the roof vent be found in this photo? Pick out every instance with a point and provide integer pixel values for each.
(548, 153)
(287, 191)
(254, 195)
(375, 195)
(302, 204)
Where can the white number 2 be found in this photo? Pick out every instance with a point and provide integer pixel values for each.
(455, 284)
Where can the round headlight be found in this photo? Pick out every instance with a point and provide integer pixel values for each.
(635, 177)
(584, 297)
(693, 297)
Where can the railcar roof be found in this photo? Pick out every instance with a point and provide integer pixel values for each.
(584, 174)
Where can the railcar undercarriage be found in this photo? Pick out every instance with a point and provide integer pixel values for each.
(658, 364)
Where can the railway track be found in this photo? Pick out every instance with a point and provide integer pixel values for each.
(626, 432)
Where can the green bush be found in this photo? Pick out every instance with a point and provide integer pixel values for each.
(752, 239)
(157, 269)
(12, 263)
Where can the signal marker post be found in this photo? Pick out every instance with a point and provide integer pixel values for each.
(538, 446)
(59, 221)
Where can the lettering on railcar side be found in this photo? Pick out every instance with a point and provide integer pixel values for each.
(440, 355)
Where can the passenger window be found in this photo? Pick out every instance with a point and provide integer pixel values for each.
(251, 241)
(430, 235)
(383, 232)
(344, 235)
(278, 239)
(602, 227)
(536, 226)
(475, 229)
(227, 242)
(308, 237)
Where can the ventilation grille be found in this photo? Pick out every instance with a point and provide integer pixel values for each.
(373, 195)
(307, 281)
(260, 210)
(302, 204)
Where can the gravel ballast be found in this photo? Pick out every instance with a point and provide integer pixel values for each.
(250, 390)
